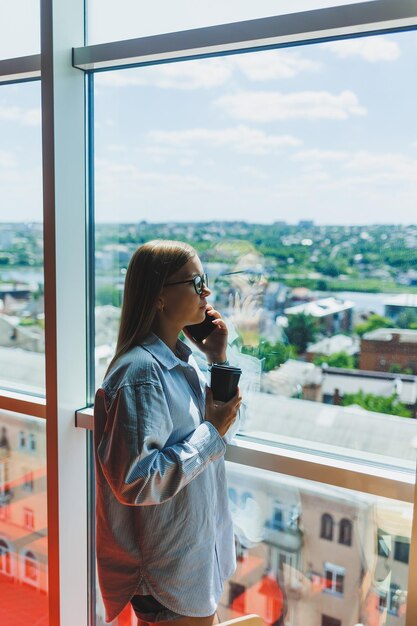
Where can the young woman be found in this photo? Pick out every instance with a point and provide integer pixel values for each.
(164, 532)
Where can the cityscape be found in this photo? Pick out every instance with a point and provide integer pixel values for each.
(323, 321)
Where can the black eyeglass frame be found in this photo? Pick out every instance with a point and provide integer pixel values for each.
(202, 277)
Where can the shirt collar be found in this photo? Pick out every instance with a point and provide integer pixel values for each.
(163, 354)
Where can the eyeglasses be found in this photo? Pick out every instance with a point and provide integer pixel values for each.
(200, 282)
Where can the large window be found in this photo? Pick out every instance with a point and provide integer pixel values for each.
(133, 19)
(19, 28)
(22, 339)
(23, 522)
(293, 171)
(286, 170)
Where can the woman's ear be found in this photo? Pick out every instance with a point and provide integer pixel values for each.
(160, 304)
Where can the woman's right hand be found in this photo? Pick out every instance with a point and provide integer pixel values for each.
(222, 414)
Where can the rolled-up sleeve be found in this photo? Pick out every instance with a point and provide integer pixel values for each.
(132, 448)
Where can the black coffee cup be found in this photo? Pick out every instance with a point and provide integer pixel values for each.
(224, 381)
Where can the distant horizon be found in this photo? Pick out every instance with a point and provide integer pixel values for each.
(232, 221)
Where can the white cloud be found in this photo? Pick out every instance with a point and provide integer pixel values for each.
(26, 117)
(113, 174)
(316, 155)
(7, 159)
(274, 65)
(240, 139)
(383, 167)
(267, 106)
(371, 49)
(185, 75)
(253, 172)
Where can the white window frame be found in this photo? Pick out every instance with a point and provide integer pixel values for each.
(23, 559)
(335, 570)
(28, 518)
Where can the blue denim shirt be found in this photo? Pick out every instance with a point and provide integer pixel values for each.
(163, 522)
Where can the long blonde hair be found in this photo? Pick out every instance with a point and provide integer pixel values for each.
(149, 268)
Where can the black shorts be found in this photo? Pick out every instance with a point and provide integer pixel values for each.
(148, 609)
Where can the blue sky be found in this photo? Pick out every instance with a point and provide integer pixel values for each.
(324, 132)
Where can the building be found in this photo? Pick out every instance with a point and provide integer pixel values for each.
(333, 345)
(335, 555)
(23, 512)
(337, 382)
(384, 348)
(399, 304)
(332, 314)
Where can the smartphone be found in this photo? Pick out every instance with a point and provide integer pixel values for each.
(202, 330)
(224, 381)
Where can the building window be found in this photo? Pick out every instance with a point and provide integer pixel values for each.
(5, 559)
(334, 578)
(28, 519)
(245, 497)
(28, 481)
(30, 568)
(402, 550)
(392, 601)
(32, 442)
(277, 522)
(330, 621)
(232, 495)
(327, 523)
(345, 532)
(384, 544)
(4, 512)
(22, 440)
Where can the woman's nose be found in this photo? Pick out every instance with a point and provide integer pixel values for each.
(206, 291)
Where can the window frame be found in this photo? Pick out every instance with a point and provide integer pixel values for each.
(67, 108)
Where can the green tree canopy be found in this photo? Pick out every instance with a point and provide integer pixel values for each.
(390, 405)
(301, 330)
(338, 359)
(373, 322)
(274, 354)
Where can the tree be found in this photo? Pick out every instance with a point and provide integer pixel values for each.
(274, 354)
(397, 368)
(338, 359)
(390, 405)
(407, 319)
(301, 330)
(373, 322)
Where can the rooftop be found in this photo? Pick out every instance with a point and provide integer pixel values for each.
(337, 343)
(390, 334)
(321, 308)
(403, 299)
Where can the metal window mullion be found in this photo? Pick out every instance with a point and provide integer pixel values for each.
(63, 161)
(21, 403)
(359, 19)
(20, 69)
(378, 481)
(411, 614)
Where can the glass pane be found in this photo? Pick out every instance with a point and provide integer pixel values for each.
(129, 19)
(293, 576)
(22, 338)
(290, 575)
(282, 168)
(23, 521)
(19, 28)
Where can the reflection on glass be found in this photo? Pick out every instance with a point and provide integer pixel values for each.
(19, 29)
(132, 19)
(289, 573)
(23, 520)
(22, 339)
(273, 165)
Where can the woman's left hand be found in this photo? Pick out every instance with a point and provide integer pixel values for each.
(215, 345)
